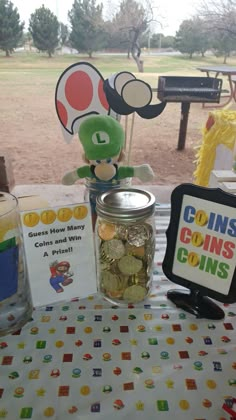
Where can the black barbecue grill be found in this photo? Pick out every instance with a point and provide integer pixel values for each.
(186, 90)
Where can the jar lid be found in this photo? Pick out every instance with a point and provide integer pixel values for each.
(125, 204)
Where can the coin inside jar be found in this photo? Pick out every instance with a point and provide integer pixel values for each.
(110, 281)
(106, 230)
(129, 265)
(113, 249)
(138, 234)
(134, 293)
(136, 251)
(121, 231)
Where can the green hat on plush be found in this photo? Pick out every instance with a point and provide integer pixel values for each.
(102, 137)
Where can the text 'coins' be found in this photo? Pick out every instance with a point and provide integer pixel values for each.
(125, 244)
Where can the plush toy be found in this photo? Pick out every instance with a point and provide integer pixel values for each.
(102, 138)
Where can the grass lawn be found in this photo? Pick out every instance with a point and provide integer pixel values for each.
(22, 65)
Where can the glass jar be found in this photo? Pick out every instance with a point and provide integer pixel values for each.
(15, 296)
(95, 187)
(125, 244)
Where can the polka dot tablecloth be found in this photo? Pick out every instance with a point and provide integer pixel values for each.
(87, 359)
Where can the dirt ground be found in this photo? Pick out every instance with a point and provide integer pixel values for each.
(31, 135)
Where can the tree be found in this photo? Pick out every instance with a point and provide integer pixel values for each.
(167, 41)
(131, 22)
(64, 34)
(11, 29)
(219, 15)
(223, 45)
(220, 20)
(44, 28)
(190, 38)
(87, 26)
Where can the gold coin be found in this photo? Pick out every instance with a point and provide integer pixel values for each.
(211, 384)
(106, 231)
(193, 259)
(184, 404)
(193, 327)
(197, 239)
(88, 330)
(64, 214)
(170, 340)
(49, 412)
(80, 212)
(31, 219)
(85, 390)
(48, 216)
(116, 294)
(59, 343)
(134, 293)
(110, 281)
(129, 265)
(136, 251)
(201, 218)
(114, 249)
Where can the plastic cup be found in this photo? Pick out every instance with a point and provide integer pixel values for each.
(15, 296)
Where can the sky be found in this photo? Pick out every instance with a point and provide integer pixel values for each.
(170, 12)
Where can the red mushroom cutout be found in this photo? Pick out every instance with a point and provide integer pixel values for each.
(79, 94)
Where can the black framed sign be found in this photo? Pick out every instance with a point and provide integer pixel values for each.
(201, 249)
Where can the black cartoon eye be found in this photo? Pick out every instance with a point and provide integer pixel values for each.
(109, 160)
(98, 161)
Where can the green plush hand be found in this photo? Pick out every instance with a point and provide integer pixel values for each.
(70, 178)
(144, 172)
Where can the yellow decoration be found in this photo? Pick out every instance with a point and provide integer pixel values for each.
(88, 330)
(80, 212)
(170, 340)
(139, 406)
(220, 129)
(64, 214)
(49, 412)
(34, 374)
(21, 345)
(59, 344)
(197, 239)
(85, 390)
(193, 259)
(40, 392)
(211, 384)
(3, 413)
(158, 328)
(31, 219)
(184, 404)
(48, 217)
(156, 369)
(201, 218)
(147, 317)
(170, 383)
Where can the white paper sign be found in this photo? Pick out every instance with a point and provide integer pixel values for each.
(60, 253)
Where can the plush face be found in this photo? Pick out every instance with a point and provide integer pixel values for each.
(105, 169)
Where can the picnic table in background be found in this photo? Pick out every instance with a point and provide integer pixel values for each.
(224, 70)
